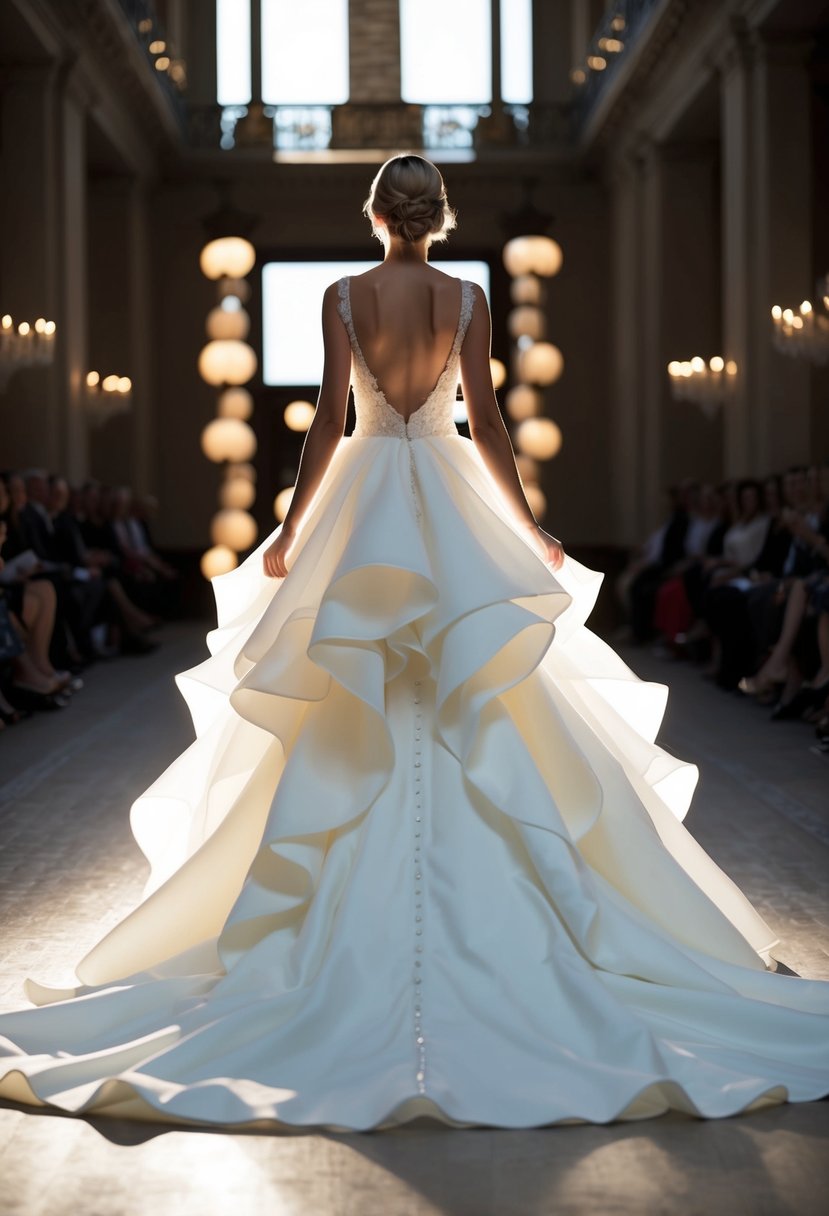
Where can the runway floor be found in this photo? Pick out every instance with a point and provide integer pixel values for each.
(69, 869)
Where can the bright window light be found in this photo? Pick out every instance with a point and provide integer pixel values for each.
(291, 309)
(445, 51)
(517, 51)
(232, 52)
(304, 52)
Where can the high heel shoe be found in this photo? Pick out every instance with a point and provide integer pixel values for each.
(767, 691)
(806, 697)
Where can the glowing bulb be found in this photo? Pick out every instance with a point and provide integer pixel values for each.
(299, 415)
(806, 308)
(717, 363)
(731, 368)
(218, 560)
(282, 502)
(23, 328)
(777, 312)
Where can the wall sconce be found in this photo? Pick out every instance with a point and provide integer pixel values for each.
(705, 384)
(24, 345)
(106, 397)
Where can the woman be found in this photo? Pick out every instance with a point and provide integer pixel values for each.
(424, 856)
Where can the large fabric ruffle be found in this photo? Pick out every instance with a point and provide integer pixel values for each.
(544, 941)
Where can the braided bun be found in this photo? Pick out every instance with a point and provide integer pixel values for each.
(409, 194)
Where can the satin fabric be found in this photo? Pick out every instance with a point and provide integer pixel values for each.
(424, 856)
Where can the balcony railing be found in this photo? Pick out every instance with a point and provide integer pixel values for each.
(621, 28)
(461, 130)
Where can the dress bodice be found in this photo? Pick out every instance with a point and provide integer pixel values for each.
(374, 414)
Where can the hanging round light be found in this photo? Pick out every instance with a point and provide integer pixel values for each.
(282, 502)
(526, 289)
(218, 560)
(241, 469)
(227, 257)
(234, 528)
(234, 289)
(235, 403)
(526, 321)
(498, 372)
(517, 256)
(539, 255)
(540, 363)
(528, 469)
(227, 361)
(537, 499)
(299, 415)
(224, 323)
(237, 492)
(228, 439)
(547, 258)
(523, 402)
(539, 438)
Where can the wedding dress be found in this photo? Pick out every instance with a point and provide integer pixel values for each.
(424, 855)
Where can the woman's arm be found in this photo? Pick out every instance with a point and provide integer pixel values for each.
(324, 433)
(487, 429)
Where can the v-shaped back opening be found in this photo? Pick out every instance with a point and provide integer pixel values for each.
(358, 350)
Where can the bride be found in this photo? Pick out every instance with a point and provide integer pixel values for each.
(424, 855)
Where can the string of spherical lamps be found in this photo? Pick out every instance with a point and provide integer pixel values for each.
(228, 362)
(537, 363)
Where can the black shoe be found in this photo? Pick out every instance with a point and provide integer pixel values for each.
(805, 698)
(137, 643)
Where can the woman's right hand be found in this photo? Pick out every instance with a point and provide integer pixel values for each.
(552, 550)
(273, 559)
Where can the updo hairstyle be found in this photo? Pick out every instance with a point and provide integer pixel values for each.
(408, 192)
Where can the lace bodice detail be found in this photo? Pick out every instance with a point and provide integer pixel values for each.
(374, 414)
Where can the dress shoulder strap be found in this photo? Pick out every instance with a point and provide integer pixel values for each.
(467, 304)
(344, 305)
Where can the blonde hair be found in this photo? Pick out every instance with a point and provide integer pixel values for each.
(408, 192)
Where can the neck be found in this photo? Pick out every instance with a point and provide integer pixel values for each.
(398, 250)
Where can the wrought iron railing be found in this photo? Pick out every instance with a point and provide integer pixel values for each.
(620, 29)
(168, 69)
(435, 128)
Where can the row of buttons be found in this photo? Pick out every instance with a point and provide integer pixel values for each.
(420, 1041)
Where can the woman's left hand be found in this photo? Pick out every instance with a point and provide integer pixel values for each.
(273, 559)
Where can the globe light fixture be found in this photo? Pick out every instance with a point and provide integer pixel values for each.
(228, 322)
(539, 438)
(228, 439)
(299, 415)
(498, 372)
(218, 560)
(234, 528)
(227, 361)
(235, 403)
(541, 363)
(526, 321)
(238, 493)
(522, 402)
(282, 502)
(229, 257)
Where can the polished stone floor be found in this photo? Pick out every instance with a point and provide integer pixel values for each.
(69, 869)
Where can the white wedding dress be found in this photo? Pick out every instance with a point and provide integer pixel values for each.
(424, 855)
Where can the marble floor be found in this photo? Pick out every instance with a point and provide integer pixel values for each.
(69, 869)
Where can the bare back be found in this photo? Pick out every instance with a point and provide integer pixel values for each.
(405, 319)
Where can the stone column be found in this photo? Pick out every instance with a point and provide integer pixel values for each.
(30, 278)
(766, 246)
(374, 50)
(625, 421)
(144, 463)
(73, 322)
